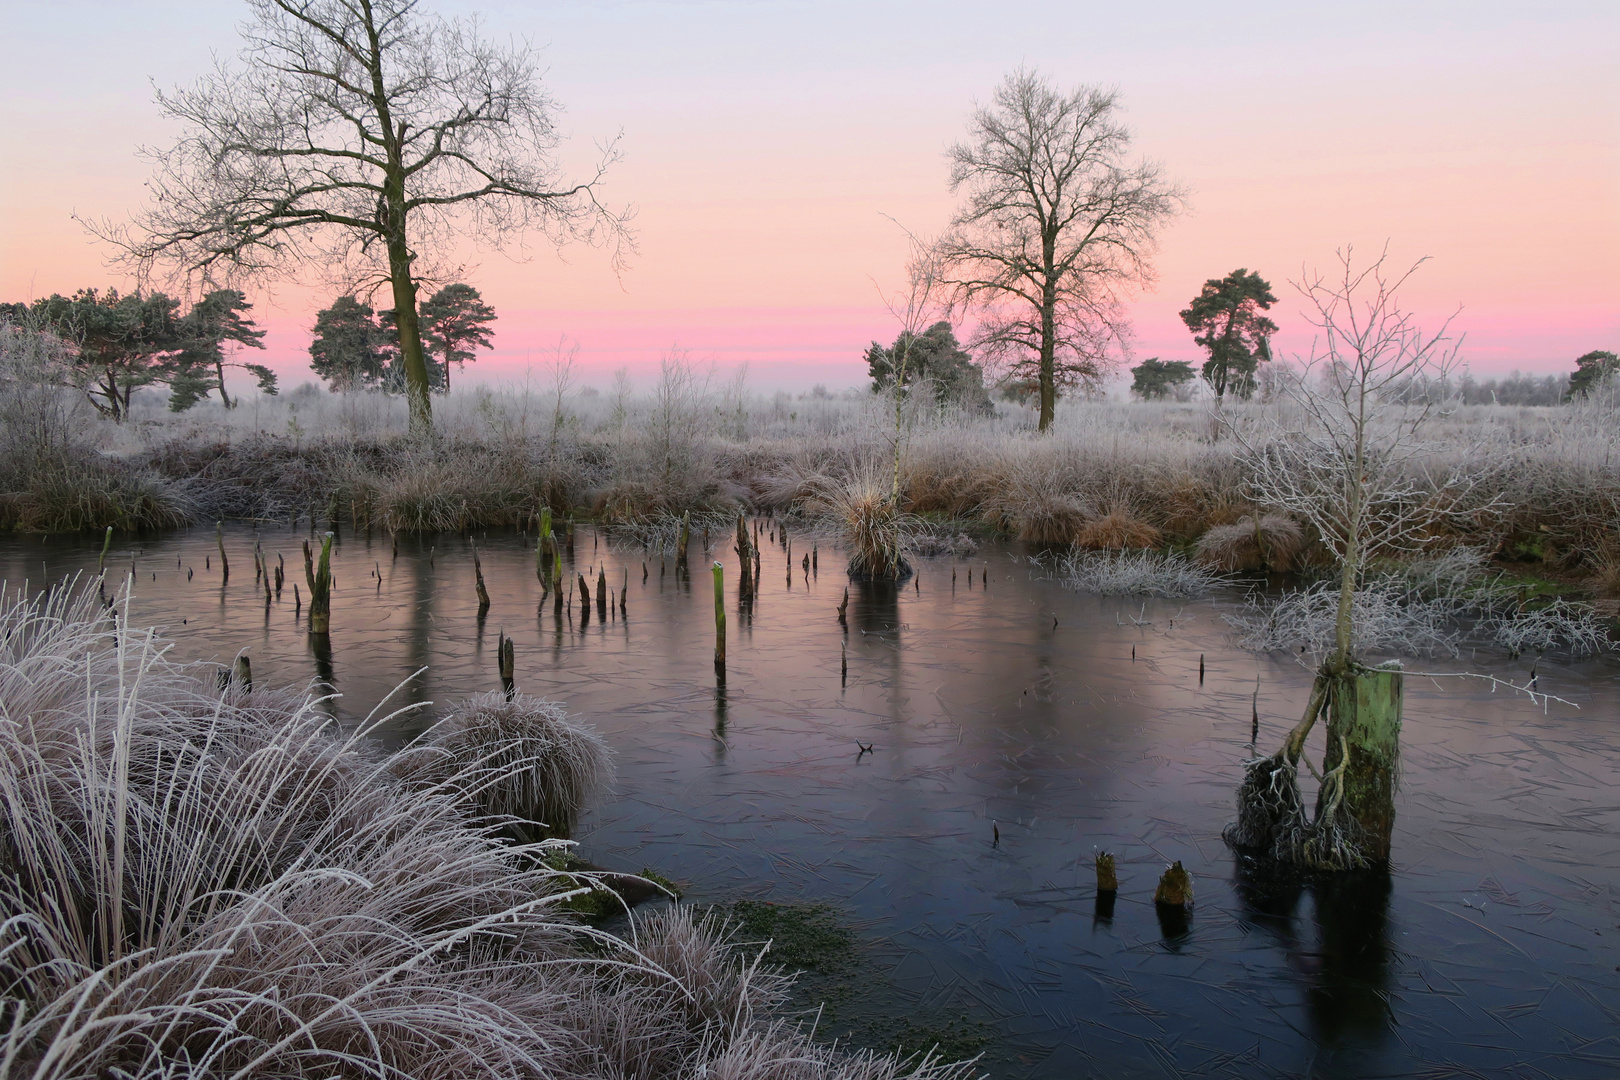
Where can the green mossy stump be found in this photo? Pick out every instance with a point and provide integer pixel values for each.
(1364, 716)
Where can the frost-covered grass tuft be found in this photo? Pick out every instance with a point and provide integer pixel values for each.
(199, 882)
(1137, 573)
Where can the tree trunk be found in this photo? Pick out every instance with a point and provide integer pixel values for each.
(1048, 372)
(410, 338)
(399, 251)
(1365, 720)
(219, 373)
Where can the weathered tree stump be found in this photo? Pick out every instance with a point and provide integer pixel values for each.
(1364, 717)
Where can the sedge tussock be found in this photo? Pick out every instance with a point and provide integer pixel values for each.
(1272, 542)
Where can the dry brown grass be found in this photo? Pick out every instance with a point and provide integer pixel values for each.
(1117, 530)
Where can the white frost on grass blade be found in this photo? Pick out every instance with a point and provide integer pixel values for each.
(1386, 619)
(1557, 625)
(1136, 573)
(1423, 610)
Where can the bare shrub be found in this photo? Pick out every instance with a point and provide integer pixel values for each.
(1140, 573)
(1560, 625)
(1253, 542)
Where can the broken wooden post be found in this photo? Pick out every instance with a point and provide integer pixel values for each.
(320, 587)
(1107, 878)
(224, 563)
(682, 537)
(719, 621)
(242, 674)
(506, 658)
(843, 607)
(1173, 901)
(601, 593)
(542, 552)
(106, 543)
(483, 593)
(1175, 887)
(1364, 717)
(745, 582)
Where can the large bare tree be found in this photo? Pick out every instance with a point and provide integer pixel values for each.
(1056, 225)
(361, 136)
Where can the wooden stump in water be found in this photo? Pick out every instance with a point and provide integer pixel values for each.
(601, 593)
(1365, 717)
(719, 621)
(682, 539)
(224, 563)
(320, 587)
(1175, 888)
(843, 608)
(507, 654)
(105, 544)
(542, 552)
(243, 673)
(1107, 879)
(744, 552)
(483, 593)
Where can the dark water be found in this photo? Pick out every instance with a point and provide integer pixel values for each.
(1492, 949)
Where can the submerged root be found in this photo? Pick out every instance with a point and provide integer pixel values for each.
(1270, 806)
(1272, 825)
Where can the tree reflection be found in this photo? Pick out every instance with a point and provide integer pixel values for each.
(1343, 951)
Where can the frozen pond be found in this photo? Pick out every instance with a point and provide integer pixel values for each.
(1492, 949)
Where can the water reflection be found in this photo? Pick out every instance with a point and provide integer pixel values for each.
(1343, 953)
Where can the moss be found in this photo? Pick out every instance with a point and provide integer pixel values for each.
(803, 937)
(954, 1040)
(845, 985)
(660, 880)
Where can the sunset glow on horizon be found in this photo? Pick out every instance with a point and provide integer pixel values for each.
(770, 148)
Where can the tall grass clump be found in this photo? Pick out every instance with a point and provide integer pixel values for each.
(521, 761)
(197, 882)
(874, 530)
(1272, 542)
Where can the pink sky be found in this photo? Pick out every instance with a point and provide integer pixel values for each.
(765, 141)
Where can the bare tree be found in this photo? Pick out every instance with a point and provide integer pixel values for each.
(356, 135)
(1355, 465)
(1056, 226)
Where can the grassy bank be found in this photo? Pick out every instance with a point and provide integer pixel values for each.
(1112, 474)
(208, 880)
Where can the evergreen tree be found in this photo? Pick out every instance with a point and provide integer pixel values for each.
(219, 317)
(935, 356)
(455, 325)
(1591, 370)
(1153, 378)
(351, 350)
(118, 343)
(1226, 319)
